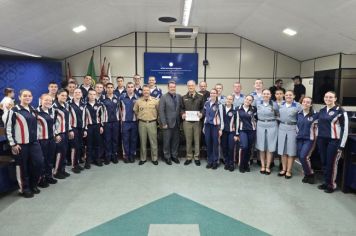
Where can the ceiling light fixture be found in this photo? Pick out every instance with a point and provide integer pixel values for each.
(186, 12)
(79, 29)
(18, 52)
(289, 32)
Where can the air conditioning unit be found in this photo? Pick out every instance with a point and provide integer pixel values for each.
(181, 32)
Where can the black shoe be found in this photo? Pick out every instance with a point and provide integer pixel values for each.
(59, 175)
(75, 170)
(87, 165)
(43, 183)
(248, 169)
(132, 160)
(305, 179)
(282, 174)
(232, 168)
(80, 167)
(311, 179)
(329, 190)
(98, 163)
(26, 194)
(242, 170)
(66, 174)
(322, 186)
(142, 162)
(168, 162)
(126, 160)
(288, 176)
(115, 160)
(107, 162)
(51, 180)
(35, 190)
(197, 162)
(69, 163)
(176, 160)
(226, 167)
(208, 166)
(268, 172)
(81, 161)
(155, 163)
(187, 162)
(215, 166)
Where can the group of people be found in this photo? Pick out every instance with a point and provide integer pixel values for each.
(97, 124)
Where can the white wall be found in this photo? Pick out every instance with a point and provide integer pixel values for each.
(231, 58)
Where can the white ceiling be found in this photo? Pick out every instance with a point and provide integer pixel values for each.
(44, 27)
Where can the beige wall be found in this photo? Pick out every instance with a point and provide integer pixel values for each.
(231, 58)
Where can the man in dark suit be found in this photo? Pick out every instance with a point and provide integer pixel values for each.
(169, 115)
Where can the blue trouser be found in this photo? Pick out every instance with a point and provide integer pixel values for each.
(29, 164)
(328, 149)
(93, 143)
(212, 142)
(61, 151)
(305, 148)
(48, 147)
(77, 145)
(129, 138)
(111, 136)
(228, 146)
(247, 139)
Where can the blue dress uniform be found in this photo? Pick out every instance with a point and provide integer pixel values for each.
(62, 128)
(85, 91)
(227, 138)
(221, 99)
(333, 127)
(156, 93)
(45, 135)
(246, 130)
(77, 124)
(213, 122)
(287, 131)
(21, 129)
(129, 126)
(119, 93)
(112, 129)
(238, 100)
(93, 117)
(306, 139)
(267, 127)
(138, 92)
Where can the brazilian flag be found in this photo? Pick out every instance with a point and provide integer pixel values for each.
(91, 69)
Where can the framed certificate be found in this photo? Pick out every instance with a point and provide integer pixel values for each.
(192, 116)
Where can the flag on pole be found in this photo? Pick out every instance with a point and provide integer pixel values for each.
(102, 71)
(91, 69)
(68, 72)
(109, 72)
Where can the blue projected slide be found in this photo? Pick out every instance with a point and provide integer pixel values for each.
(179, 67)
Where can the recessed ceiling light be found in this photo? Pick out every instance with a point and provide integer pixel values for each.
(79, 29)
(18, 52)
(289, 32)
